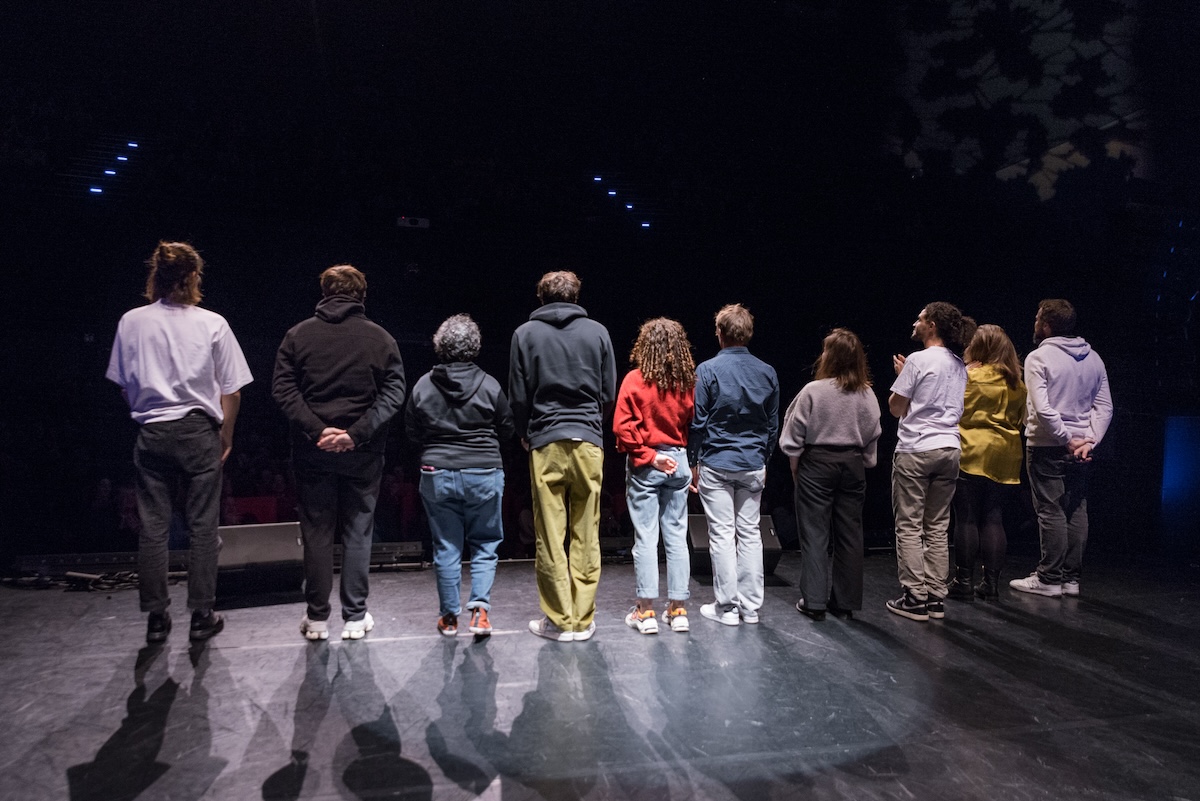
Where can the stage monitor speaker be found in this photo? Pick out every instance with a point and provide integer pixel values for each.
(698, 543)
(260, 558)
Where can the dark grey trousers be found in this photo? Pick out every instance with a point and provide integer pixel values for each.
(1059, 486)
(830, 487)
(178, 460)
(337, 494)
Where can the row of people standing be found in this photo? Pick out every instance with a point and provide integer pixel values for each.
(339, 380)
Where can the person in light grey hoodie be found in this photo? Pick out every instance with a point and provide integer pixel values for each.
(831, 433)
(1070, 409)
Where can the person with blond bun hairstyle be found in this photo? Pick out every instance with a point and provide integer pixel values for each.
(651, 420)
(830, 434)
(990, 465)
(181, 370)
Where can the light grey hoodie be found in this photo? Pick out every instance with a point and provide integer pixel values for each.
(1068, 393)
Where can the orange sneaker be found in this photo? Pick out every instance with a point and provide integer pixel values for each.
(448, 625)
(479, 622)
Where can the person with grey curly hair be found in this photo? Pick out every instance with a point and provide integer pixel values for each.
(459, 415)
(457, 339)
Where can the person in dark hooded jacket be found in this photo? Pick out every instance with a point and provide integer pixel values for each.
(459, 415)
(339, 381)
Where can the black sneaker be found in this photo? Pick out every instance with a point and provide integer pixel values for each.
(815, 614)
(936, 607)
(908, 606)
(158, 626)
(205, 625)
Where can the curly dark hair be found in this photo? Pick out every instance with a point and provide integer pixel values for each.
(664, 355)
(948, 319)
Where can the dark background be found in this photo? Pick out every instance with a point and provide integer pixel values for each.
(825, 163)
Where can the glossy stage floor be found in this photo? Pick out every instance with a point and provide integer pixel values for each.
(1031, 698)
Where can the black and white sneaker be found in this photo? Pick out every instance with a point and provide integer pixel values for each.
(936, 607)
(204, 625)
(908, 606)
(158, 626)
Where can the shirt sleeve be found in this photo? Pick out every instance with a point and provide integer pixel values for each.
(906, 382)
(700, 413)
(389, 398)
(795, 424)
(518, 393)
(285, 389)
(874, 429)
(629, 424)
(232, 371)
(1102, 410)
(1039, 400)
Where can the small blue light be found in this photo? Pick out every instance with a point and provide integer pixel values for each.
(1164, 273)
(612, 192)
(1159, 298)
(645, 225)
(132, 144)
(597, 178)
(110, 172)
(629, 206)
(1172, 248)
(122, 158)
(95, 190)
(1194, 294)
(1181, 223)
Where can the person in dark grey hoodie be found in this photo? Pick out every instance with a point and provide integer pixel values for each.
(562, 379)
(459, 415)
(339, 381)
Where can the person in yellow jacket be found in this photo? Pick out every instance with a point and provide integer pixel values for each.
(990, 428)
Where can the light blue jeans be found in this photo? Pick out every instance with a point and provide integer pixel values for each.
(463, 506)
(658, 503)
(732, 500)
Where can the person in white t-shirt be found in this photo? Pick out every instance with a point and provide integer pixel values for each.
(927, 397)
(181, 370)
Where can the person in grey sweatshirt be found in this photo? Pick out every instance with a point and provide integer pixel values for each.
(1070, 409)
(830, 434)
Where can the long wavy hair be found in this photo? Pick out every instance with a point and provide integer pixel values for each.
(664, 355)
(844, 360)
(991, 345)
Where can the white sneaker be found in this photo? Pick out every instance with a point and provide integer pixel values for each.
(586, 634)
(644, 622)
(357, 629)
(544, 628)
(749, 616)
(730, 618)
(1070, 588)
(314, 629)
(678, 619)
(1033, 584)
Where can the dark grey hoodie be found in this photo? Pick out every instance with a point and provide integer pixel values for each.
(562, 376)
(459, 414)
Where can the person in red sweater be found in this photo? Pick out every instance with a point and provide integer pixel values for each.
(651, 421)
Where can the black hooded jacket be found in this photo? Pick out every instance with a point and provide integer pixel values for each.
(339, 369)
(459, 414)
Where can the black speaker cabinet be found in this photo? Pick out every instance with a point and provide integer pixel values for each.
(262, 558)
(698, 543)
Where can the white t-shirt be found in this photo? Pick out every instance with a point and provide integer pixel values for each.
(934, 381)
(171, 359)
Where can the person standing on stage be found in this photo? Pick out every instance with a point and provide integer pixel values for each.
(651, 421)
(181, 370)
(459, 415)
(830, 433)
(990, 464)
(339, 381)
(734, 430)
(927, 397)
(1070, 409)
(562, 379)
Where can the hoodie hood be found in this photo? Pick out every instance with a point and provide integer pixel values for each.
(558, 314)
(1075, 347)
(458, 381)
(336, 308)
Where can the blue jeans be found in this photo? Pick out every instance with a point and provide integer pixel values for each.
(464, 506)
(658, 502)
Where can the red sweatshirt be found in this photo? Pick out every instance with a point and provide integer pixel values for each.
(646, 416)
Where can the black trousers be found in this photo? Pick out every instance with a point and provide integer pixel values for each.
(337, 493)
(178, 459)
(830, 487)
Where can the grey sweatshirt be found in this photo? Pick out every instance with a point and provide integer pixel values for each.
(823, 414)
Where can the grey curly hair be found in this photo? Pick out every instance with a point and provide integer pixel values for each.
(457, 339)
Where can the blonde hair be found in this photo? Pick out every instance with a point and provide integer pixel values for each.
(991, 345)
(664, 355)
(736, 324)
